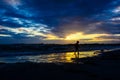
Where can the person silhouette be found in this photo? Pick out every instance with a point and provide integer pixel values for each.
(77, 49)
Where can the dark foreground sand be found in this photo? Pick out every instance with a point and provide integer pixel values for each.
(64, 71)
(42, 71)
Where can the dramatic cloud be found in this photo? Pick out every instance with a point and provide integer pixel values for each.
(49, 21)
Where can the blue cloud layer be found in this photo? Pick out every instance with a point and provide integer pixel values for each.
(60, 17)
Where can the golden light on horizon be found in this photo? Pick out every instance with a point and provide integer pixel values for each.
(52, 37)
(80, 35)
(77, 36)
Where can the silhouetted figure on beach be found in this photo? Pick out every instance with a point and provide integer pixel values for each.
(77, 49)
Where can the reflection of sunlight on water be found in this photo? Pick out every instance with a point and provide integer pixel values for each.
(54, 57)
(69, 55)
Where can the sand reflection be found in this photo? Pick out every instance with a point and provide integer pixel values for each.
(47, 58)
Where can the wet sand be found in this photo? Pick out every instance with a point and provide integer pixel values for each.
(105, 70)
(43, 71)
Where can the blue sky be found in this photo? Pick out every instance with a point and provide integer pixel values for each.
(59, 21)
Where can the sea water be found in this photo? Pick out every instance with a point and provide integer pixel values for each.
(47, 58)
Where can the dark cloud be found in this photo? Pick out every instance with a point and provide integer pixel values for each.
(62, 17)
(110, 37)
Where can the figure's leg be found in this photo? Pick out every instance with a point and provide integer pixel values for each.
(78, 54)
(75, 53)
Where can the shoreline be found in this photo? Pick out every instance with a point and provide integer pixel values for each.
(8, 54)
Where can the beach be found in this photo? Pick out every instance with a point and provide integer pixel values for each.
(88, 67)
(44, 71)
(59, 39)
(102, 70)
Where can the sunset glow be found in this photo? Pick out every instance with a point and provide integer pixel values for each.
(78, 36)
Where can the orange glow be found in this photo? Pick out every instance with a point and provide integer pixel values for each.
(52, 37)
(79, 35)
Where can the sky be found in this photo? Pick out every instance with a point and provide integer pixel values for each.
(59, 21)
